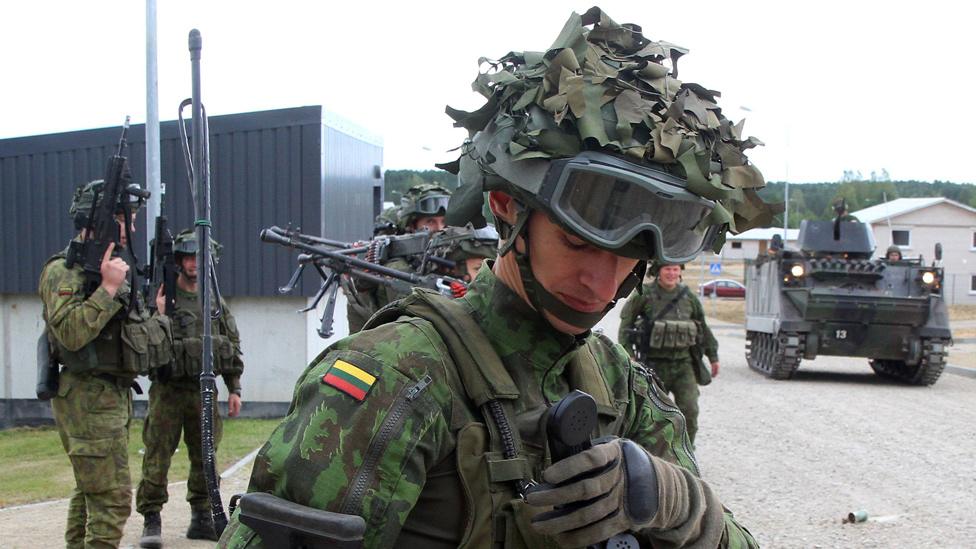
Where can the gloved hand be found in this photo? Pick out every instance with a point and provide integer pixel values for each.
(617, 487)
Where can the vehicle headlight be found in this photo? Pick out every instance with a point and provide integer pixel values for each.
(797, 270)
(928, 277)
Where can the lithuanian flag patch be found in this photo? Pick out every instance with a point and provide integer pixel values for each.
(349, 379)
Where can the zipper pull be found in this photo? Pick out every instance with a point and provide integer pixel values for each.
(415, 391)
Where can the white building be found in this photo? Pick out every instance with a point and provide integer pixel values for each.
(750, 244)
(916, 224)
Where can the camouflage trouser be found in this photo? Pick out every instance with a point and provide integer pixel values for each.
(174, 408)
(92, 416)
(678, 377)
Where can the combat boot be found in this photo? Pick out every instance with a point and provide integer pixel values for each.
(201, 526)
(152, 532)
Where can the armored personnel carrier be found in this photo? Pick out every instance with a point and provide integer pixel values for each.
(830, 298)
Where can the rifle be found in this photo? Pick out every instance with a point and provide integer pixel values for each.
(199, 170)
(332, 264)
(161, 269)
(101, 227)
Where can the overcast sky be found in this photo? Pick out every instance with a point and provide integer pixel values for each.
(829, 85)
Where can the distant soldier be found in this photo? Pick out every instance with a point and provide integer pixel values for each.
(466, 247)
(423, 207)
(893, 253)
(840, 211)
(676, 336)
(103, 344)
(174, 401)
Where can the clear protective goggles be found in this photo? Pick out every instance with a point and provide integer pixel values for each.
(432, 204)
(610, 202)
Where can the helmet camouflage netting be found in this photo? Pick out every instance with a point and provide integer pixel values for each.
(606, 88)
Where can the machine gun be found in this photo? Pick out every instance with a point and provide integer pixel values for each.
(100, 225)
(333, 260)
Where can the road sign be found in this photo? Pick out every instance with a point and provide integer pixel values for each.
(715, 268)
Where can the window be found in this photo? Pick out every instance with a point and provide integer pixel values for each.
(901, 238)
(972, 284)
(738, 245)
(973, 243)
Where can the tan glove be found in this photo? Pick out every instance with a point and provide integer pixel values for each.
(617, 487)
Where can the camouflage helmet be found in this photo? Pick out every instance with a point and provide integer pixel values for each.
(387, 222)
(606, 97)
(185, 243)
(88, 195)
(561, 128)
(462, 243)
(425, 199)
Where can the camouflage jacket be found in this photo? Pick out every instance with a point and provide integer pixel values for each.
(382, 426)
(85, 332)
(188, 345)
(650, 302)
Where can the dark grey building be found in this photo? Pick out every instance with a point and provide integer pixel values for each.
(298, 166)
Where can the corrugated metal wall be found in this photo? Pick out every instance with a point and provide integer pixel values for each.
(268, 168)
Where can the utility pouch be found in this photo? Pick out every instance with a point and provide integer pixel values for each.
(223, 353)
(135, 348)
(192, 356)
(47, 369)
(160, 342)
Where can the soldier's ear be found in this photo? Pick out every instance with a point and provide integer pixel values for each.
(503, 206)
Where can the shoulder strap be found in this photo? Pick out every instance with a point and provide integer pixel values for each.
(671, 304)
(479, 366)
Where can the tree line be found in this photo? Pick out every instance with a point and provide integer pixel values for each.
(807, 200)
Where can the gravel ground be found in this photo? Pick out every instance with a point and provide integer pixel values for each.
(790, 458)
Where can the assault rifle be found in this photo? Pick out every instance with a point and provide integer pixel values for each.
(101, 227)
(161, 270)
(333, 260)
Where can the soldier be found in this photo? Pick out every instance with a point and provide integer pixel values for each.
(422, 207)
(174, 401)
(677, 333)
(466, 246)
(431, 423)
(840, 209)
(102, 346)
(893, 253)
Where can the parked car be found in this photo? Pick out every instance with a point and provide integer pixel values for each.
(722, 288)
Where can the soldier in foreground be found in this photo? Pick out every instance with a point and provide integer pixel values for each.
(174, 402)
(431, 423)
(103, 343)
(673, 336)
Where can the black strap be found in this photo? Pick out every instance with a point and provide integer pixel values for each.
(671, 305)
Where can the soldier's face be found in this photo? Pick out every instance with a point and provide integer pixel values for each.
(580, 275)
(669, 275)
(188, 267)
(429, 223)
(894, 256)
(471, 267)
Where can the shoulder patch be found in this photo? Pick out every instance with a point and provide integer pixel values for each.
(349, 379)
(66, 291)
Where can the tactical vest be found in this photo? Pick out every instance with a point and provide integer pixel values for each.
(675, 330)
(125, 347)
(188, 340)
(494, 463)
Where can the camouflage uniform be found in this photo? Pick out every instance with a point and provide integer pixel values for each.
(671, 340)
(102, 349)
(174, 404)
(405, 449)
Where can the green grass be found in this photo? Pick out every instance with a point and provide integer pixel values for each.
(34, 467)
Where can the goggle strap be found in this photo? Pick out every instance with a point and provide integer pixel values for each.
(521, 219)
